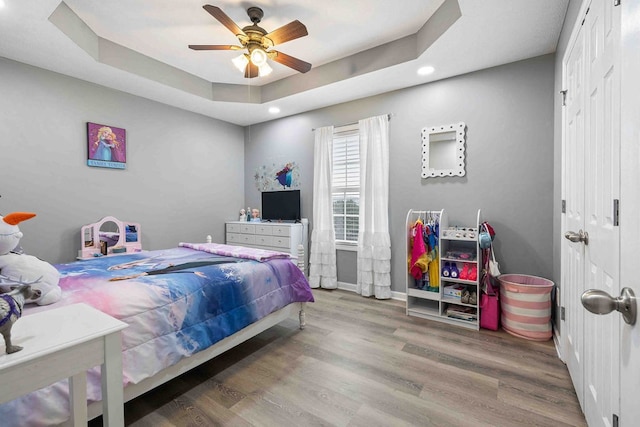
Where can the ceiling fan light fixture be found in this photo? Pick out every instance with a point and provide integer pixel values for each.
(258, 57)
(264, 70)
(240, 62)
(256, 40)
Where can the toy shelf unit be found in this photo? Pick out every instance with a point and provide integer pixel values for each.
(109, 236)
(456, 298)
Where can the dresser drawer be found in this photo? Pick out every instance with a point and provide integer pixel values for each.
(264, 240)
(266, 230)
(281, 231)
(281, 242)
(233, 228)
(275, 236)
(248, 228)
(237, 238)
(233, 238)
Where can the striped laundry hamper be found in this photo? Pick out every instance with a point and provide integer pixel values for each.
(526, 306)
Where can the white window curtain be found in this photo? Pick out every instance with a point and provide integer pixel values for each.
(322, 257)
(374, 242)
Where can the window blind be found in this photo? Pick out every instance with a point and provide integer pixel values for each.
(346, 184)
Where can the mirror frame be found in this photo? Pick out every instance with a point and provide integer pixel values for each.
(428, 134)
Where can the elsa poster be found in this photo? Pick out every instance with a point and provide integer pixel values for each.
(107, 146)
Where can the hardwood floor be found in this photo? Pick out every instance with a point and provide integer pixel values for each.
(363, 362)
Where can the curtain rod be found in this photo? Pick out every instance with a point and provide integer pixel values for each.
(354, 123)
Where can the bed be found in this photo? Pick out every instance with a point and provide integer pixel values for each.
(183, 305)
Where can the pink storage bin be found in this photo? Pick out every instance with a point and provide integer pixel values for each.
(526, 306)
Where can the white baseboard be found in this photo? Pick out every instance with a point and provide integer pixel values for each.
(557, 342)
(347, 286)
(352, 287)
(400, 296)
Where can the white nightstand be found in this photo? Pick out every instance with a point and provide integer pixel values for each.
(64, 343)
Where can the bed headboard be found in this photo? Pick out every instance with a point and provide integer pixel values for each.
(109, 235)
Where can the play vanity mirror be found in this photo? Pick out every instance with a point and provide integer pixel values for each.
(109, 236)
(443, 151)
(109, 232)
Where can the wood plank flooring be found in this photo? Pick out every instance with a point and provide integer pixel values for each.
(363, 362)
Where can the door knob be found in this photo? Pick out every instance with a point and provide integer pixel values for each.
(580, 236)
(600, 302)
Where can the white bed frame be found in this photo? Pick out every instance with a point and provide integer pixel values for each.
(134, 390)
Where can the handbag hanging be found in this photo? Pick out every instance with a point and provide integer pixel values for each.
(490, 308)
(486, 234)
(489, 300)
(494, 267)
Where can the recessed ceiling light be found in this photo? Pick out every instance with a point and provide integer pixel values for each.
(272, 110)
(2, 4)
(425, 71)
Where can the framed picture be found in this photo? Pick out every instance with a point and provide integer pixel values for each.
(106, 146)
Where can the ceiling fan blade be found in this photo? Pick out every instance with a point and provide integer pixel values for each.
(217, 13)
(251, 71)
(291, 31)
(290, 61)
(214, 47)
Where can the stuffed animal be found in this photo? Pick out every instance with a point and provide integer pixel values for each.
(25, 268)
(11, 310)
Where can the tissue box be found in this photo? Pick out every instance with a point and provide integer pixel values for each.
(453, 291)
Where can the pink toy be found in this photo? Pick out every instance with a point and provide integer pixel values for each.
(94, 241)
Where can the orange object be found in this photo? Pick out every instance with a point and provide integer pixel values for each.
(16, 218)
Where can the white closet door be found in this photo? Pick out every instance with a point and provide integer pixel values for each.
(602, 178)
(573, 179)
(592, 174)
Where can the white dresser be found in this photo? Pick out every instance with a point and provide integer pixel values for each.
(274, 236)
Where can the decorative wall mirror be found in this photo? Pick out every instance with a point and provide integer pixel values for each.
(443, 150)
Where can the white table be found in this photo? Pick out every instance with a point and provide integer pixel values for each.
(64, 343)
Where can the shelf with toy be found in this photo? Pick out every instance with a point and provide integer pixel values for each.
(460, 268)
(442, 284)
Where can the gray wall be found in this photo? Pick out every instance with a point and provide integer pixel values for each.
(180, 188)
(509, 113)
(184, 175)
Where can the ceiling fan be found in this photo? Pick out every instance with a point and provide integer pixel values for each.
(258, 42)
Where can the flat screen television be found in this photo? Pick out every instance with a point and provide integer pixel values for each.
(281, 205)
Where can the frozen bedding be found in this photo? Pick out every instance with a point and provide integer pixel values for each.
(176, 302)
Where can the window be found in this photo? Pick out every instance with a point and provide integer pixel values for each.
(345, 187)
